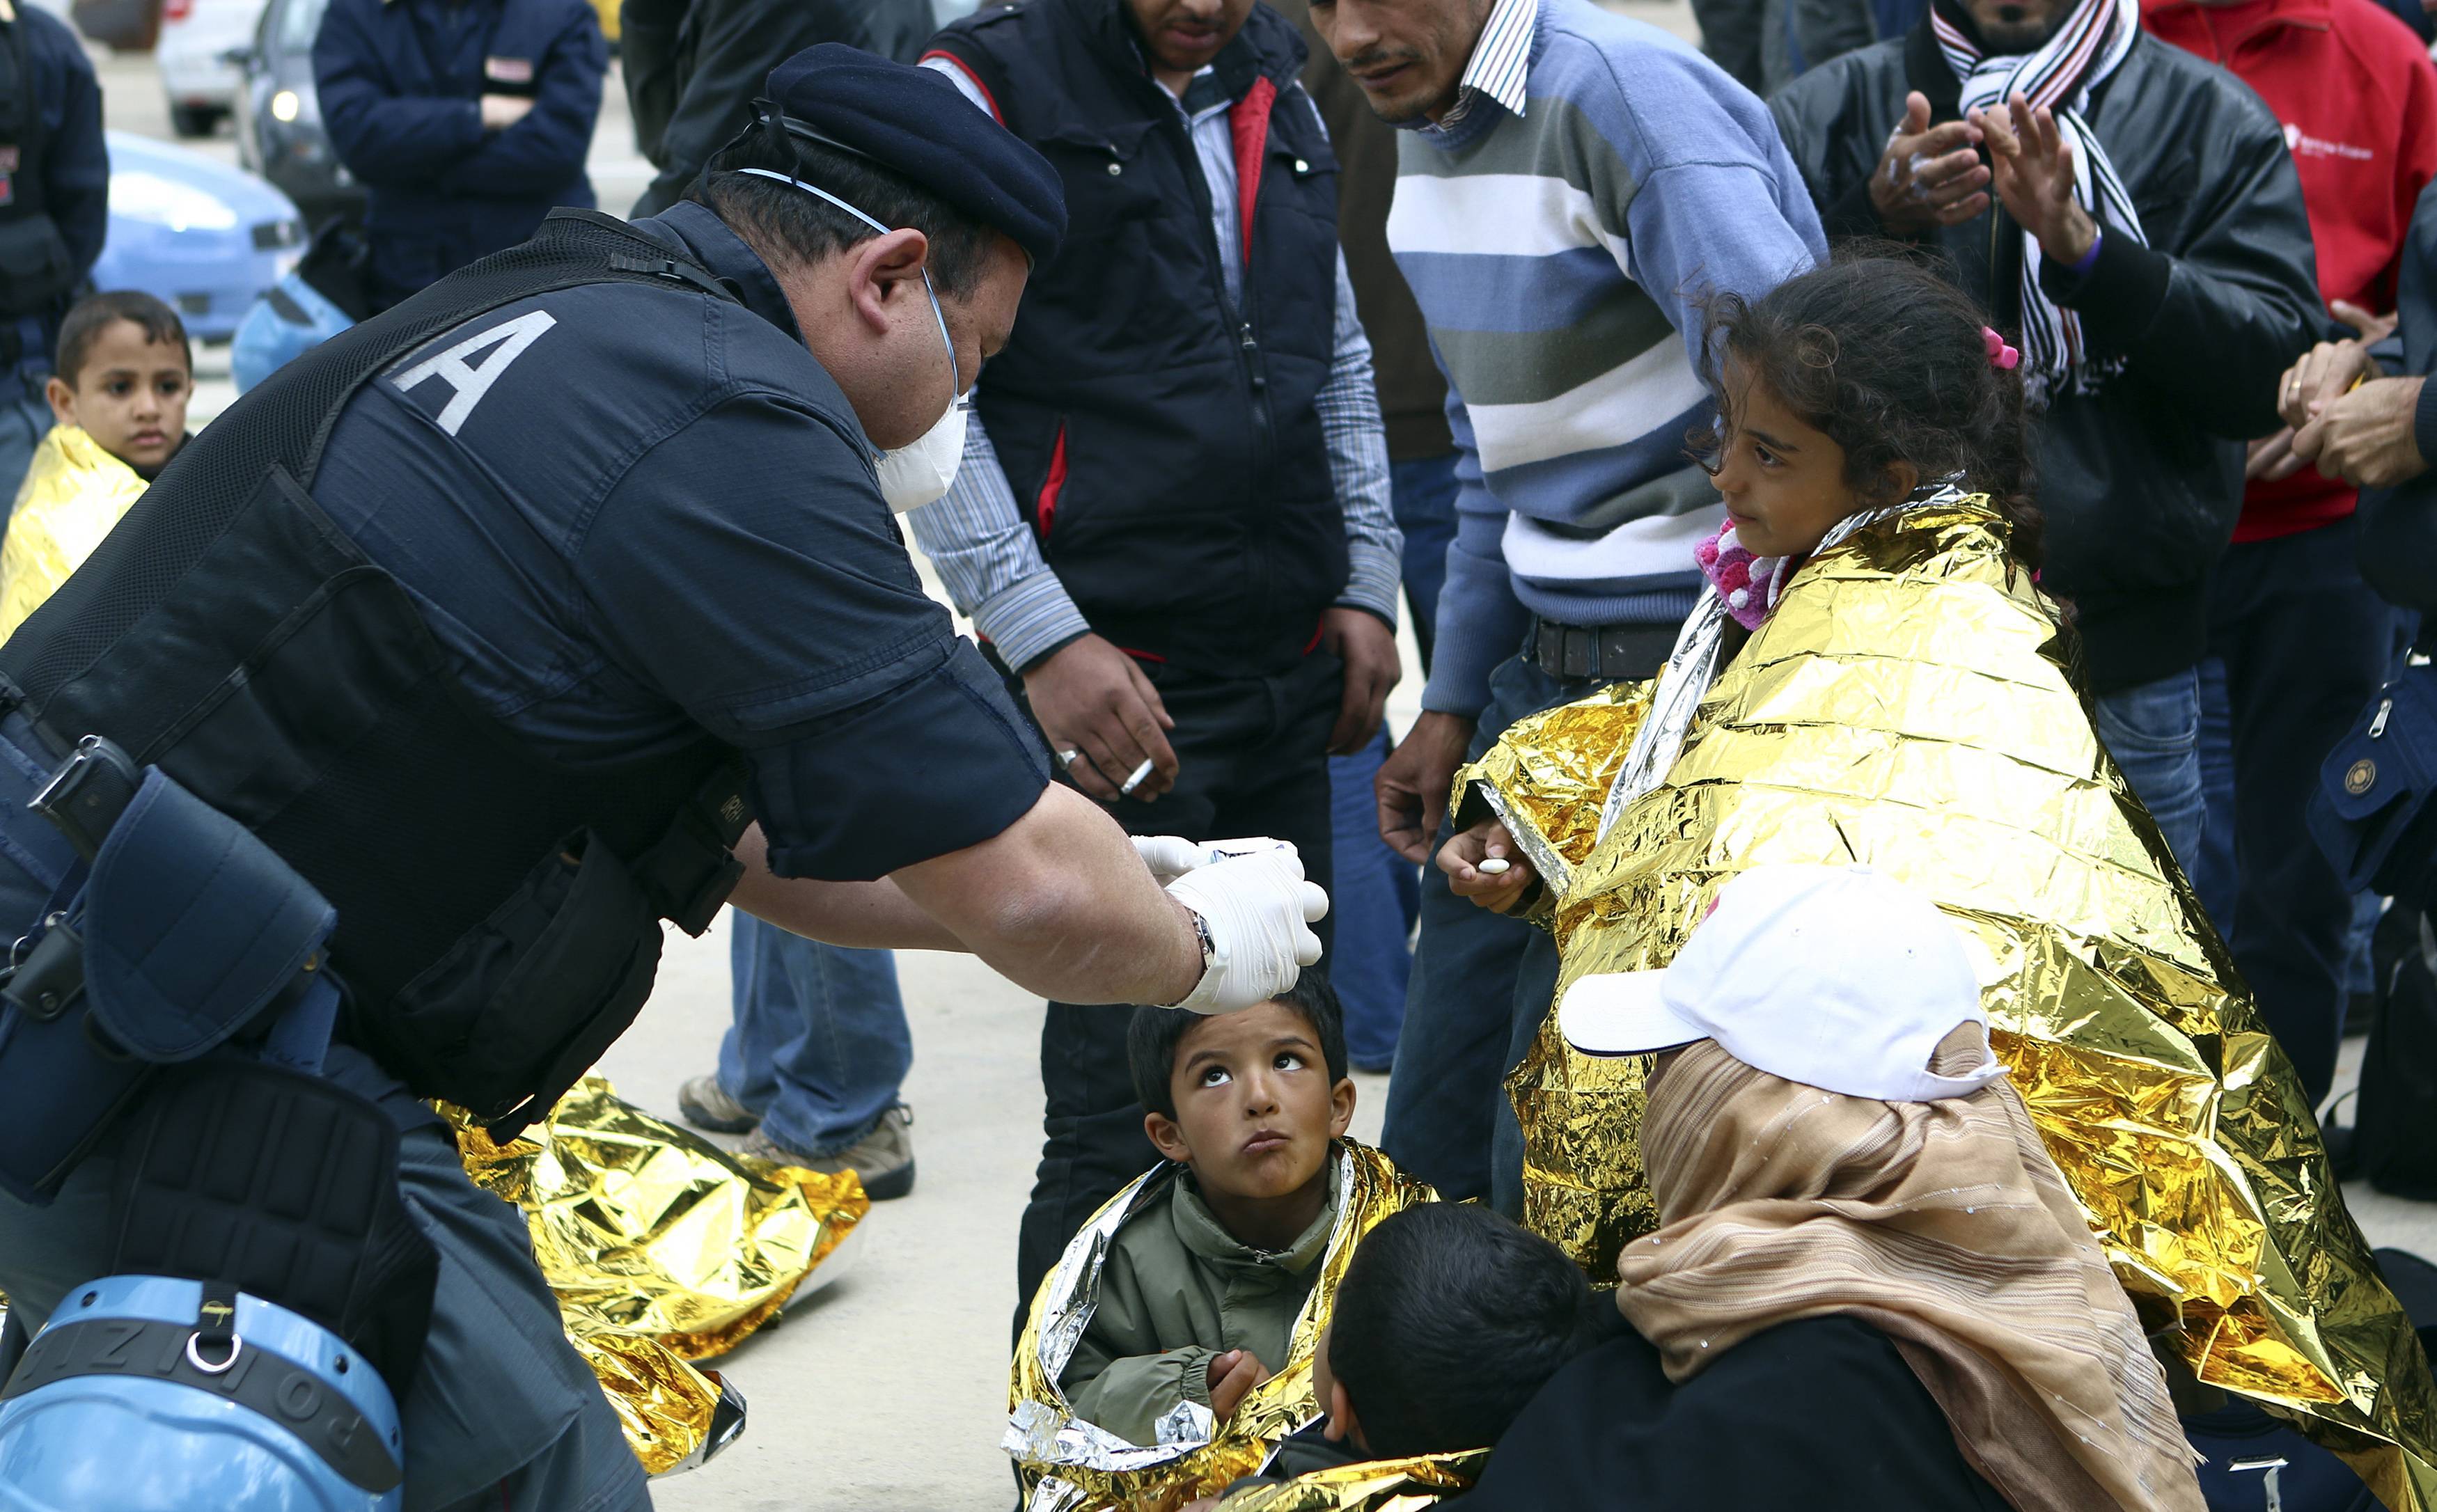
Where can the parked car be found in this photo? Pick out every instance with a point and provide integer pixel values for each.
(279, 133)
(197, 72)
(204, 237)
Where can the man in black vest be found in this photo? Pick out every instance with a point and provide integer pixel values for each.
(1173, 522)
(54, 213)
(501, 616)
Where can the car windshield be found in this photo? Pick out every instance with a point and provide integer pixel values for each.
(298, 21)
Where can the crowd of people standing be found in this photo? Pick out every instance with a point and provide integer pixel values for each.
(1575, 346)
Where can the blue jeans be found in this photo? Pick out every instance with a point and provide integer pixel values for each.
(820, 1045)
(1480, 985)
(503, 1416)
(2153, 733)
(1374, 896)
(1422, 490)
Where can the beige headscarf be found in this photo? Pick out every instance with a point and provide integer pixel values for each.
(1944, 1226)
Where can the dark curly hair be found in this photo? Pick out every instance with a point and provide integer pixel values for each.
(1886, 357)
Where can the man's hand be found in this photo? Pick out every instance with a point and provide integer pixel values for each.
(2365, 437)
(1929, 175)
(1258, 910)
(499, 111)
(1413, 783)
(2034, 170)
(2324, 374)
(1368, 648)
(1499, 888)
(1233, 1375)
(2373, 328)
(1091, 698)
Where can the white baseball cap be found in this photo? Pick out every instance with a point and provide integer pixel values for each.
(1835, 977)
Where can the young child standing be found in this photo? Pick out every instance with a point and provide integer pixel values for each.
(118, 395)
(1201, 1287)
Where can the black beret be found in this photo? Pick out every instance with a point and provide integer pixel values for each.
(913, 122)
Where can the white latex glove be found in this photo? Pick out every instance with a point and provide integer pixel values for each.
(1170, 856)
(1259, 912)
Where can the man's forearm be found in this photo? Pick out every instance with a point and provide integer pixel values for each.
(867, 915)
(1060, 904)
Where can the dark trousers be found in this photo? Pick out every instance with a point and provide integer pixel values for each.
(2305, 644)
(1252, 760)
(1479, 987)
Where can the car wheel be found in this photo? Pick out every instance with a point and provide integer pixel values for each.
(195, 120)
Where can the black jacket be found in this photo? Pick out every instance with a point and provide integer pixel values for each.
(1163, 440)
(54, 201)
(1821, 1414)
(694, 68)
(401, 83)
(2140, 482)
(2399, 525)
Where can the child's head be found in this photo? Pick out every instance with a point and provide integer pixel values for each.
(1846, 388)
(1450, 1319)
(124, 375)
(1250, 1100)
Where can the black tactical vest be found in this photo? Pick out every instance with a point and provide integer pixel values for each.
(498, 912)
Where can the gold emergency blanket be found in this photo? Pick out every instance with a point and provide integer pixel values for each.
(73, 494)
(662, 1248)
(1908, 705)
(1375, 1485)
(1068, 1465)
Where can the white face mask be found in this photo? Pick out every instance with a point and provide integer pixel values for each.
(913, 474)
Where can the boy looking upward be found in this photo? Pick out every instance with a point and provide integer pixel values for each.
(1201, 1287)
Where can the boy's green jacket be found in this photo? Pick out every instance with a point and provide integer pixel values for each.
(1177, 1292)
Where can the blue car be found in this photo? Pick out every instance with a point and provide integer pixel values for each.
(205, 239)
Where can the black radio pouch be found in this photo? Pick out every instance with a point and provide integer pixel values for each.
(283, 1185)
(524, 1003)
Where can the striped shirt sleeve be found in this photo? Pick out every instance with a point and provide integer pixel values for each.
(990, 563)
(1349, 404)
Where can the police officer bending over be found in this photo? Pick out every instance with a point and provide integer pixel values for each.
(500, 616)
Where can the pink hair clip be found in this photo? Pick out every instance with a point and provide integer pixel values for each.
(2000, 354)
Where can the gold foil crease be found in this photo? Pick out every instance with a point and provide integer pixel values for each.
(1068, 1465)
(74, 493)
(1374, 1485)
(662, 1248)
(1909, 705)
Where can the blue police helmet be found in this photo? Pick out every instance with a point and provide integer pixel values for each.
(913, 122)
(126, 1404)
(290, 320)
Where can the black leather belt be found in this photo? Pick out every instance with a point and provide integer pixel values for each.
(1608, 653)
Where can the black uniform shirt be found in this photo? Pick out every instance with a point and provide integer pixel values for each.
(632, 514)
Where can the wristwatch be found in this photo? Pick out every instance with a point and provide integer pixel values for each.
(1209, 950)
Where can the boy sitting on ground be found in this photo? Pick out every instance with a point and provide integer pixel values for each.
(118, 400)
(1201, 1287)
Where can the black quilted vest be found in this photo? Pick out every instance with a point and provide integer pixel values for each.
(1162, 438)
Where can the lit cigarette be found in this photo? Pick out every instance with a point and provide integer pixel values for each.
(1495, 866)
(1135, 781)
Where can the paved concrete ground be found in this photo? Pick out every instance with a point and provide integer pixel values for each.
(886, 1392)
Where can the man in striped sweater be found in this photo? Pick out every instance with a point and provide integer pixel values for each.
(1570, 188)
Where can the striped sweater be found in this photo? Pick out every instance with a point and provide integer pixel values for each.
(1560, 227)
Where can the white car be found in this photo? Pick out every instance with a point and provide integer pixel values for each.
(197, 37)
